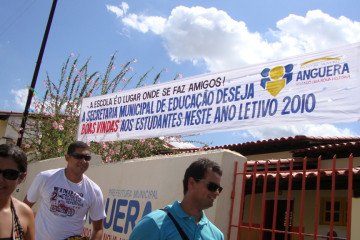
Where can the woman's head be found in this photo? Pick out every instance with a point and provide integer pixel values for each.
(13, 166)
(16, 154)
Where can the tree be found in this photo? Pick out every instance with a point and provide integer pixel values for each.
(54, 119)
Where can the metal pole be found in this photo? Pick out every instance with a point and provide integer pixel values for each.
(36, 72)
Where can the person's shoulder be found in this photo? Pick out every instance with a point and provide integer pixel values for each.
(95, 188)
(88, 180)
(50, 172)
(22, 209)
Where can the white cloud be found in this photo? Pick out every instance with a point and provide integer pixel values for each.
(211, 36)
(119, 11)
(318, 130)
(144, 24)
(20, 97)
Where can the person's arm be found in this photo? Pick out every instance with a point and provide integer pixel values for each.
(97, 231)
(30, 204)
(30, 231)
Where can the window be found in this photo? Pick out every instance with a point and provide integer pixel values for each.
(340, 211)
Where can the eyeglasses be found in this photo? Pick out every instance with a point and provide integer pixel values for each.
(211, 186)
(10, 174)
(81, 156)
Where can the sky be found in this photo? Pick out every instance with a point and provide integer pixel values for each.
(184, 37)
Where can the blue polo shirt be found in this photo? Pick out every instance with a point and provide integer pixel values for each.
(158, 226)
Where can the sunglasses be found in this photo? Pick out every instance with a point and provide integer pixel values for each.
(211, 186)
(81, 156)
(10, 174)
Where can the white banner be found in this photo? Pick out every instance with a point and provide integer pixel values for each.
(320, 87)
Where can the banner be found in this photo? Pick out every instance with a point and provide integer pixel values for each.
(320, 87)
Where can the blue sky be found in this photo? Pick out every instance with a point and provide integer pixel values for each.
(185, 37)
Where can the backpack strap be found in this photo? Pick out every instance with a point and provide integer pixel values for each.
(182, 233)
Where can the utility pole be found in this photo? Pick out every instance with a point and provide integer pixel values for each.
(36, 72)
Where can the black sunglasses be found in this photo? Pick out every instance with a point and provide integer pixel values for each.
(211, 186)
(81, 156)
(10, 174)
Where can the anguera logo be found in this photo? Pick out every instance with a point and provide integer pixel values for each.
(275, 79)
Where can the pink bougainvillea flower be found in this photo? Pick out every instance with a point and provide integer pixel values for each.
(52, 115)
(105, 154)
(61, 127)
(62, 121)
(27, 145)
(20, 129)
(92, 81)
(108, 159)
(78, 79)
(131, 68)
(111, 151)
(117, 151)
(124, 79)
(69, 118)
(38, 141)
(59, 150)
(55, 125)
(113, 67)
(150, 145)
(135, 60)
(136, 154)
(72, 54)
(180, 75)
(75, 69)
(129, 146)
(121, 65)
(142, 140)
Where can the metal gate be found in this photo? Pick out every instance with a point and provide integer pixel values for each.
(290, 199)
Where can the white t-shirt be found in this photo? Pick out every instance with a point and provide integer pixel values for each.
(64, 204)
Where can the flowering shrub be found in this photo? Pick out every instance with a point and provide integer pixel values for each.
(53, 122)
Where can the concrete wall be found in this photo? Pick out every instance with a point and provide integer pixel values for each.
(134, 188)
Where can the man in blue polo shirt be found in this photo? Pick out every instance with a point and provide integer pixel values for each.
(201, 187)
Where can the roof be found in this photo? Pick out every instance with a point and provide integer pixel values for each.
(300, 146)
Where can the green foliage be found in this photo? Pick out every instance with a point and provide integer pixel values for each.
(54, 124)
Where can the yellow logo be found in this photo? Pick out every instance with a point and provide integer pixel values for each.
(275, 79)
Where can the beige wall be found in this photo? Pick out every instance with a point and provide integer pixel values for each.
(130, 187)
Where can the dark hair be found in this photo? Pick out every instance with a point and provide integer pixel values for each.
(198, 169)
(75, 145)
(14, 152)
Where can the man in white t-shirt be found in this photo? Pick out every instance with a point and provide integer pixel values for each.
(66, 195)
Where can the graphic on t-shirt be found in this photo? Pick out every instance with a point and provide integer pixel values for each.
(64, 202)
